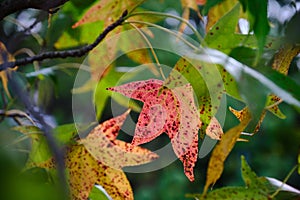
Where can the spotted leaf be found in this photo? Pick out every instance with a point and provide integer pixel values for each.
(172, 111)
(214, 129)
(222, 150)
(107, 11)
(90, 162)
(242, 114)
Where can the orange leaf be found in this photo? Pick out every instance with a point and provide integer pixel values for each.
(222, 150)
(90, 161)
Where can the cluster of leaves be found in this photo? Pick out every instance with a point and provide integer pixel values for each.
(255, 188)
(245, 62)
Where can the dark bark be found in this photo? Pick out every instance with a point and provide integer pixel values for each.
(8, 7)
(68, 53)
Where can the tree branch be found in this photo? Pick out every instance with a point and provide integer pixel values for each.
(34, 111)
(68, 53)
(22, 95)
(10, 6)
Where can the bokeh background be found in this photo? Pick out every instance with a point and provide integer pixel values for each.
(271, 152)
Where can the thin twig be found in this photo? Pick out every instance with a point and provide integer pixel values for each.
(68, 53)
(151, 48)
(15, 113)
(163, 29)
(199, 37)
(284, 181)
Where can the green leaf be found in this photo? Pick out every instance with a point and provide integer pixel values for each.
(220, 36)
(276, 83)
(223, 36)
(97, 194)
(292, 30)
(299, 162)
(101, 95)
(273, 108)
(39, 146)
(229, 83)
(243, 54)
(65, 133)
(257, 16)
(254, 98)
(201, 76)
(233, 193)
(67, 37)
(45, 91)
(284, 82)
(250, 178)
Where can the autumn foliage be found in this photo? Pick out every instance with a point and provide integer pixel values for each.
(214, 59)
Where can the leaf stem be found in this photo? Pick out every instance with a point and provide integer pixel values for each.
(274, 104)
(163, 29)
(151, 48)
(284, 181)
(68, 53)
(199, 37)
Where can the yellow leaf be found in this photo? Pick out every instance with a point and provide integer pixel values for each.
(185, 15)
(281, 63)
(272, 106)
(218, 11)
(192, 4)
(222, 150)
(284, 57)
(91, 161)
(242, 114)
(5, 57)
(187, 5)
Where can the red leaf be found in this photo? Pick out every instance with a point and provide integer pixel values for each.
(172, 111)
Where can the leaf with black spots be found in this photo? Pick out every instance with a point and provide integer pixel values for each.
(250, 178)
(89, 162)
(222, 150)
(107, 11)
(206, 82)
(169, 110)
(214, 129)
(230, 193)
(217, 12)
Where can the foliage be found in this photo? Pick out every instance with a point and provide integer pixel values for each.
(219, 78)
(255, 188)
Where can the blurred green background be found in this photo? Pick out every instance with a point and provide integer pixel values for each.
(271, 152)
